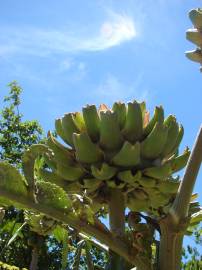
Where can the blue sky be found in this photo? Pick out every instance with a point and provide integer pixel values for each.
(66, 54)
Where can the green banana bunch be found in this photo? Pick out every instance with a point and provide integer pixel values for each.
(117, 148)
(195, 35)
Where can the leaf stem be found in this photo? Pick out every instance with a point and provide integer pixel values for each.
(180, 207)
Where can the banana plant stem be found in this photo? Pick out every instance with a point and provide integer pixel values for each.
(174, 225)
(179, 209)
(170, 245)
(117, 225)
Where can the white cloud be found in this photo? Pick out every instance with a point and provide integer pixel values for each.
(115, 29)
(118, 29)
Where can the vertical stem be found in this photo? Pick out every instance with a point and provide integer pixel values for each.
(117, 224)
(65, 250)
(179, 209)
(35, 256)
(170, 246)
(35, 252)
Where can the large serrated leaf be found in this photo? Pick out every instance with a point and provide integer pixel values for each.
(11, 180)
(53, 196)
(28, 161)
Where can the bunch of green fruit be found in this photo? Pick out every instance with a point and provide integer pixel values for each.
(195, 35)
(118, 148)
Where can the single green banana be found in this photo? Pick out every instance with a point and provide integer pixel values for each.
(86, 151)
(195, 55)
(128, 177)
(105, 172)
(179, 162)
(73, 187)
(168, 186)
(92, 120)
(138, 205)
(59, 130)
(173, 130)
(195, 16)
(161, 172)
(158, 117)
(153, 145)
(134, 123)
(61, 153)
(120, 109)
(147, 181)
(194, 36)
(158, 200)
(178, 141)
(69, 127)
(79, 121)
(128, 156)
(110, 134)
(92, 184)
(112, 184)
(69, 173)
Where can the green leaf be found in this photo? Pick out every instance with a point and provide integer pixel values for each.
(59, 233)
(28, 161)
(196, 218)
(11, 180)
(53, 196)
(16, 234)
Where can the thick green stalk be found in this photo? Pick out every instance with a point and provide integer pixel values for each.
(179, 209)
(170, 246)
(174, 225)
(117, 224)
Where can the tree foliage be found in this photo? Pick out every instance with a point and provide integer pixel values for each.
(16, 135)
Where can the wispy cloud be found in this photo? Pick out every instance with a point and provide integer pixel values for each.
(112, 89)
(115, 29)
